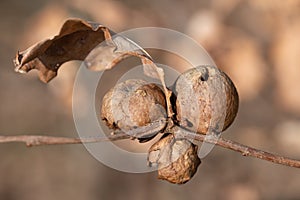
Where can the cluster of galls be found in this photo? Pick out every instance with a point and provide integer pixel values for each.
(205, 102)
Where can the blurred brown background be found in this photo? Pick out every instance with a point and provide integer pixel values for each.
(256, 42)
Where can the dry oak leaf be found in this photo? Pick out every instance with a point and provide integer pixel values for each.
(75, 41)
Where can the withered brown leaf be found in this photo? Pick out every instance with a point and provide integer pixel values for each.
(76, 39)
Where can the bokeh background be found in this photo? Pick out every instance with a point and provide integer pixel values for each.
(256, 42)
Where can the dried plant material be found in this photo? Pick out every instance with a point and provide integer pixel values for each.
(134, 104)
(75, 41)
(206, 100)
(37, 140)
(151, 70)
(177, 159)
(107, 54)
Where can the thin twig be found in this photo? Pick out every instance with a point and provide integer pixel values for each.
(243, 149)
(36, 140)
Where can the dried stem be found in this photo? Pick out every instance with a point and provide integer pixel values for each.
(243, 149)
(36, 140)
